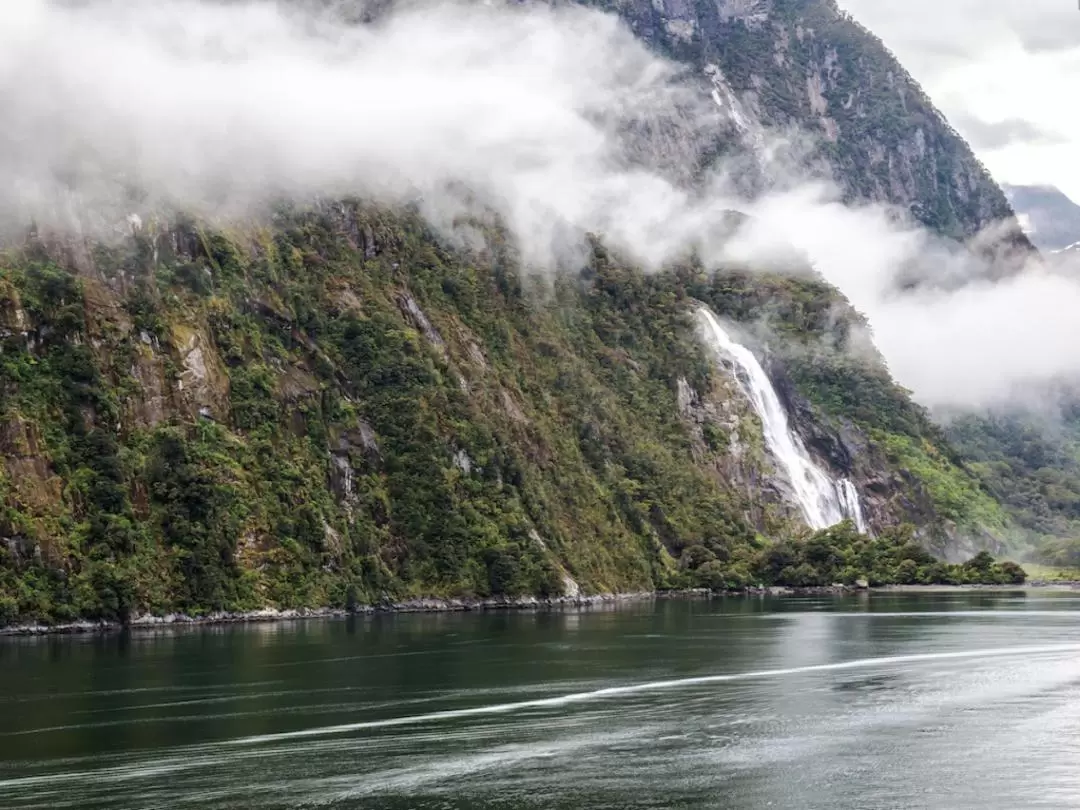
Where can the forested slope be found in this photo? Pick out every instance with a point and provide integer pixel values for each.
(341, 407)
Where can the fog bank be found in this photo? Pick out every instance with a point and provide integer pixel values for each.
(558, 119)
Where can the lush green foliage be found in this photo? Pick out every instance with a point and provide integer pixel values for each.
(334, 444)
(341, 409)
(811, 333)
(842, 555)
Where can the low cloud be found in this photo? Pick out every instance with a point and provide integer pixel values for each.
(548, 114)
(950, 331)
(983, 134)
(556, 118)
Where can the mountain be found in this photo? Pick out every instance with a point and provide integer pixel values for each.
(1050, 218)
(808, 64)
(343, 405)
(340, 405)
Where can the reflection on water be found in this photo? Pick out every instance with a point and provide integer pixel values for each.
(943, 700)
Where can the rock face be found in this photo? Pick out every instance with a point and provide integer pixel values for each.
(805, 63)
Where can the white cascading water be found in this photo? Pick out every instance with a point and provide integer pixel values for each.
(852, 507)
(824, 501)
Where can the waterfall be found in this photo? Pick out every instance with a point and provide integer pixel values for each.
(850, 505)
(824, 501)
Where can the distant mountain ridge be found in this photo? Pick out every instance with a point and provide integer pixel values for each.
(1050, 219)
(810, 65)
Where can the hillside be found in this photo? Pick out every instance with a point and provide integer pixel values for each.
(808, 65)
(1031, 463)
(338, 405)
(340, 408)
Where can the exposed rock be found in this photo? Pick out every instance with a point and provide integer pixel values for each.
(463, 462)
(201, 382)
(33, 486)
(341, 476)
(751, 12)
(680, 29)
(333, 541)
(420, 321)
(150, 406)
(346, 300)
(297, 384)
(686, 396)
(815, 86)
(571, 589)
(476, 355)
(833, 83)
(367, 437)
(13, 317)
(357, 445)
(511, 407)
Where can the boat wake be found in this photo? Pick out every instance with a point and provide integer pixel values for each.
(653, 686)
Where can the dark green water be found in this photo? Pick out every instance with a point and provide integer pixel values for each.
(945, 701)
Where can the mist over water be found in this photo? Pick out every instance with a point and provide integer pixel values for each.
(948, 700)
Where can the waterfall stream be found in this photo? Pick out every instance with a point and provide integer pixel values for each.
(824, 500)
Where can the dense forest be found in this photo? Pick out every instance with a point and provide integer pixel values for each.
(344, 409)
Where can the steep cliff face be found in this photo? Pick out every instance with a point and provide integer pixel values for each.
(809, 65)
(341, 407)
(855, 418)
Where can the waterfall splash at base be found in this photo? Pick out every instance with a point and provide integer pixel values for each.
(824, 500)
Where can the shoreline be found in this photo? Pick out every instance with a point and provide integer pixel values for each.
(525, 603)
(272, 615)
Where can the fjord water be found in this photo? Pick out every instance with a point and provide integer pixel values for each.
(824, 501)
(882, 701)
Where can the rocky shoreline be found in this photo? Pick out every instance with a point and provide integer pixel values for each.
(265, 615)
(437, 605)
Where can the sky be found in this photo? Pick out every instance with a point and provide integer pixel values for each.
(1004, 72)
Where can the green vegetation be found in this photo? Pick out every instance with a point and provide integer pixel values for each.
(811, 331)
(841, 556)
(1032, 465)
(809, 64)
(336, 407)
(340, 409)
(1048, 573)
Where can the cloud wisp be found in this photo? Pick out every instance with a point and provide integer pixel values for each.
(558, 119)
(112, 105)
(959, 337)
